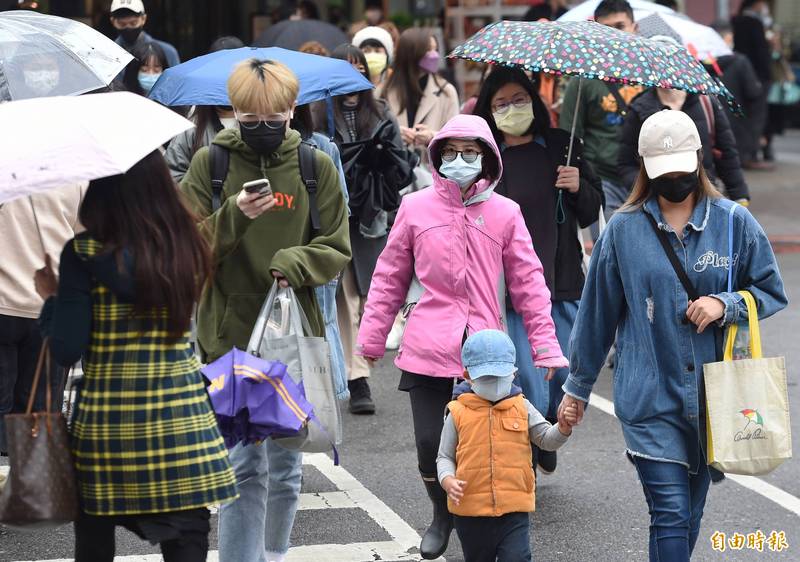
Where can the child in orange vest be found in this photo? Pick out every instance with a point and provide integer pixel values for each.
(484, 460)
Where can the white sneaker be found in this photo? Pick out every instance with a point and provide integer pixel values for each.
(275, 557)
(396, 335)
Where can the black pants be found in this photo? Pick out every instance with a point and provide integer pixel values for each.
(183, 535)
(486, 539)
(429, 398)
(20, 343)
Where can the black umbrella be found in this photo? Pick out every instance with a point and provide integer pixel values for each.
(290, 34)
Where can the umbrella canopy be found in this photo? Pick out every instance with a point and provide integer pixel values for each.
(65, 140)
(641, 8)
(43, 55)
(702, 41)
(290, 34)
(254, 399)
(590, 50)
(203, 80)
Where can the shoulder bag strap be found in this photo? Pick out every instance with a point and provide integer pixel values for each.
(308, 173)
(673, 259)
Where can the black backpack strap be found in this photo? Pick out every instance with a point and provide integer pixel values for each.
(673, 259)
(219, 159)
(622, 107)
(308, 173)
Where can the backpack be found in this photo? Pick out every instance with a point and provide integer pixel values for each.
(219, 160)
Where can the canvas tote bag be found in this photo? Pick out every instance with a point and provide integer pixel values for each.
(747, 406)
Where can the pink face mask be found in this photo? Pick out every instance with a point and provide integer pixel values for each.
(430, 62)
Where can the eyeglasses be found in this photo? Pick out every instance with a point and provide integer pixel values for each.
(469, 155)
(252, 120)
(517, 101)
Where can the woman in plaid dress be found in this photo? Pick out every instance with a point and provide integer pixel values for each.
(147, 449)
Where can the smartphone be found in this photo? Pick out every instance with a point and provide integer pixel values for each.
(260, 186)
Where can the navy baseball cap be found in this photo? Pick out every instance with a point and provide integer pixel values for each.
(489, 353)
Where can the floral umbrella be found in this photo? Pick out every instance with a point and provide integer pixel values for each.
(590, 50)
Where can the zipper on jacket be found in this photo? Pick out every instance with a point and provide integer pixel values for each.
(491, 458)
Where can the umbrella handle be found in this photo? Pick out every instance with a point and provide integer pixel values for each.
(574, 120)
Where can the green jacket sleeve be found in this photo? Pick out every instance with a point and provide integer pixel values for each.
(568, 108)
(328, 252)
(224, 228)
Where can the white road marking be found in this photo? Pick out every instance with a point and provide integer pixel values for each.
(774, 494)
(350, 494)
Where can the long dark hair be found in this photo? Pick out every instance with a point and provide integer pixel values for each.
(204, 115)
(303, 121)
(367, 113)
(141, 211)
(141, 55)
(406, 73)
(499, 77)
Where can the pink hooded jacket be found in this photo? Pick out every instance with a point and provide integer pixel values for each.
(461, 252)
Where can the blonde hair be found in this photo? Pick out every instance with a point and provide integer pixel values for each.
(263, 87)
(641, 187)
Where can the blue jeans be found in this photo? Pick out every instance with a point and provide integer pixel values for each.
(326, 297)
(543, 395)
(615, 194)
(675, 500)
(485, 539)
(260, 520)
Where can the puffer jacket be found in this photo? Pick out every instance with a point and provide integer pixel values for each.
(462, 253)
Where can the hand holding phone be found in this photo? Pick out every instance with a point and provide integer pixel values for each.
(260, 186)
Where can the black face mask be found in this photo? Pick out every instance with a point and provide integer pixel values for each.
(677, 189)
(130, 34)
(262, 139)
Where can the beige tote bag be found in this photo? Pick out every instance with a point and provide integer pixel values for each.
(747, 407)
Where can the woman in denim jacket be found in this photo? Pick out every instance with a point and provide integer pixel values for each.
(663, 339)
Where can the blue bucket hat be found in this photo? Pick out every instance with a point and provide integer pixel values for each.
(489, 353)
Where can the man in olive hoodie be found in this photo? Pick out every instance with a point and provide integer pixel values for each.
(256, 240)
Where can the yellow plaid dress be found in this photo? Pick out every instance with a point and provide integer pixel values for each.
(145, 438)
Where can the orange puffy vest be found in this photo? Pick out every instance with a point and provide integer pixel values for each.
(493, 456)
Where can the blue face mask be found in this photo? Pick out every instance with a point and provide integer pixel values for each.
(461, 172)
(492, 388)
(147, 81)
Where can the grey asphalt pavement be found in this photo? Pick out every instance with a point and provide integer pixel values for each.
(592, 507)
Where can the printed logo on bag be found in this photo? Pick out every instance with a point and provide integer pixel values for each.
(753, 429)
(713, 259)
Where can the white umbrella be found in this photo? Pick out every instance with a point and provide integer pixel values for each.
(702, 41)
(641, 8)
(43, 55)
(64, 140)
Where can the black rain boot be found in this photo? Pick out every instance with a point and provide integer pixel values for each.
(434, 541)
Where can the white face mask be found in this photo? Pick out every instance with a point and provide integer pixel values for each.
(461, 172)
(229, 122)
(492, 388)
(41, 82)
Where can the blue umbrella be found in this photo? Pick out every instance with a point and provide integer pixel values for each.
(203, 80)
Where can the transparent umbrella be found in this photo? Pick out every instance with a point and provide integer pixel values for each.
(43, 55)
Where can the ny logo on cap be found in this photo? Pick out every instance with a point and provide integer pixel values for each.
(668, 143)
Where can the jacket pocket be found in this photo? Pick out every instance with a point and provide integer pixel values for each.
(636, 386)
(515, 424)
(239, 318)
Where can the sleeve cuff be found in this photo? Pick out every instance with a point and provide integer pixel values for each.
(552, 363)
(445, 474)
(577, 389)
(373, 351)
(731, 302)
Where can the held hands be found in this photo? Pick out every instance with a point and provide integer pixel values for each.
(45, 280)
(567, 403)
(253, 205)
(454, 488)
(423, 135)
(569, 419)
(704, 311)
(568, 178)
(408, 134)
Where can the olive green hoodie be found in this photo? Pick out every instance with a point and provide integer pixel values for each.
(245, 250)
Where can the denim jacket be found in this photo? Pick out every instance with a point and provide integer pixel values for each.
(633, 293)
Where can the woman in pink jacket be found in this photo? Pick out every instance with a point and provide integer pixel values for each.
(462, 245)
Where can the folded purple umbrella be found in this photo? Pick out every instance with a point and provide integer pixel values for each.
(254, 398)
